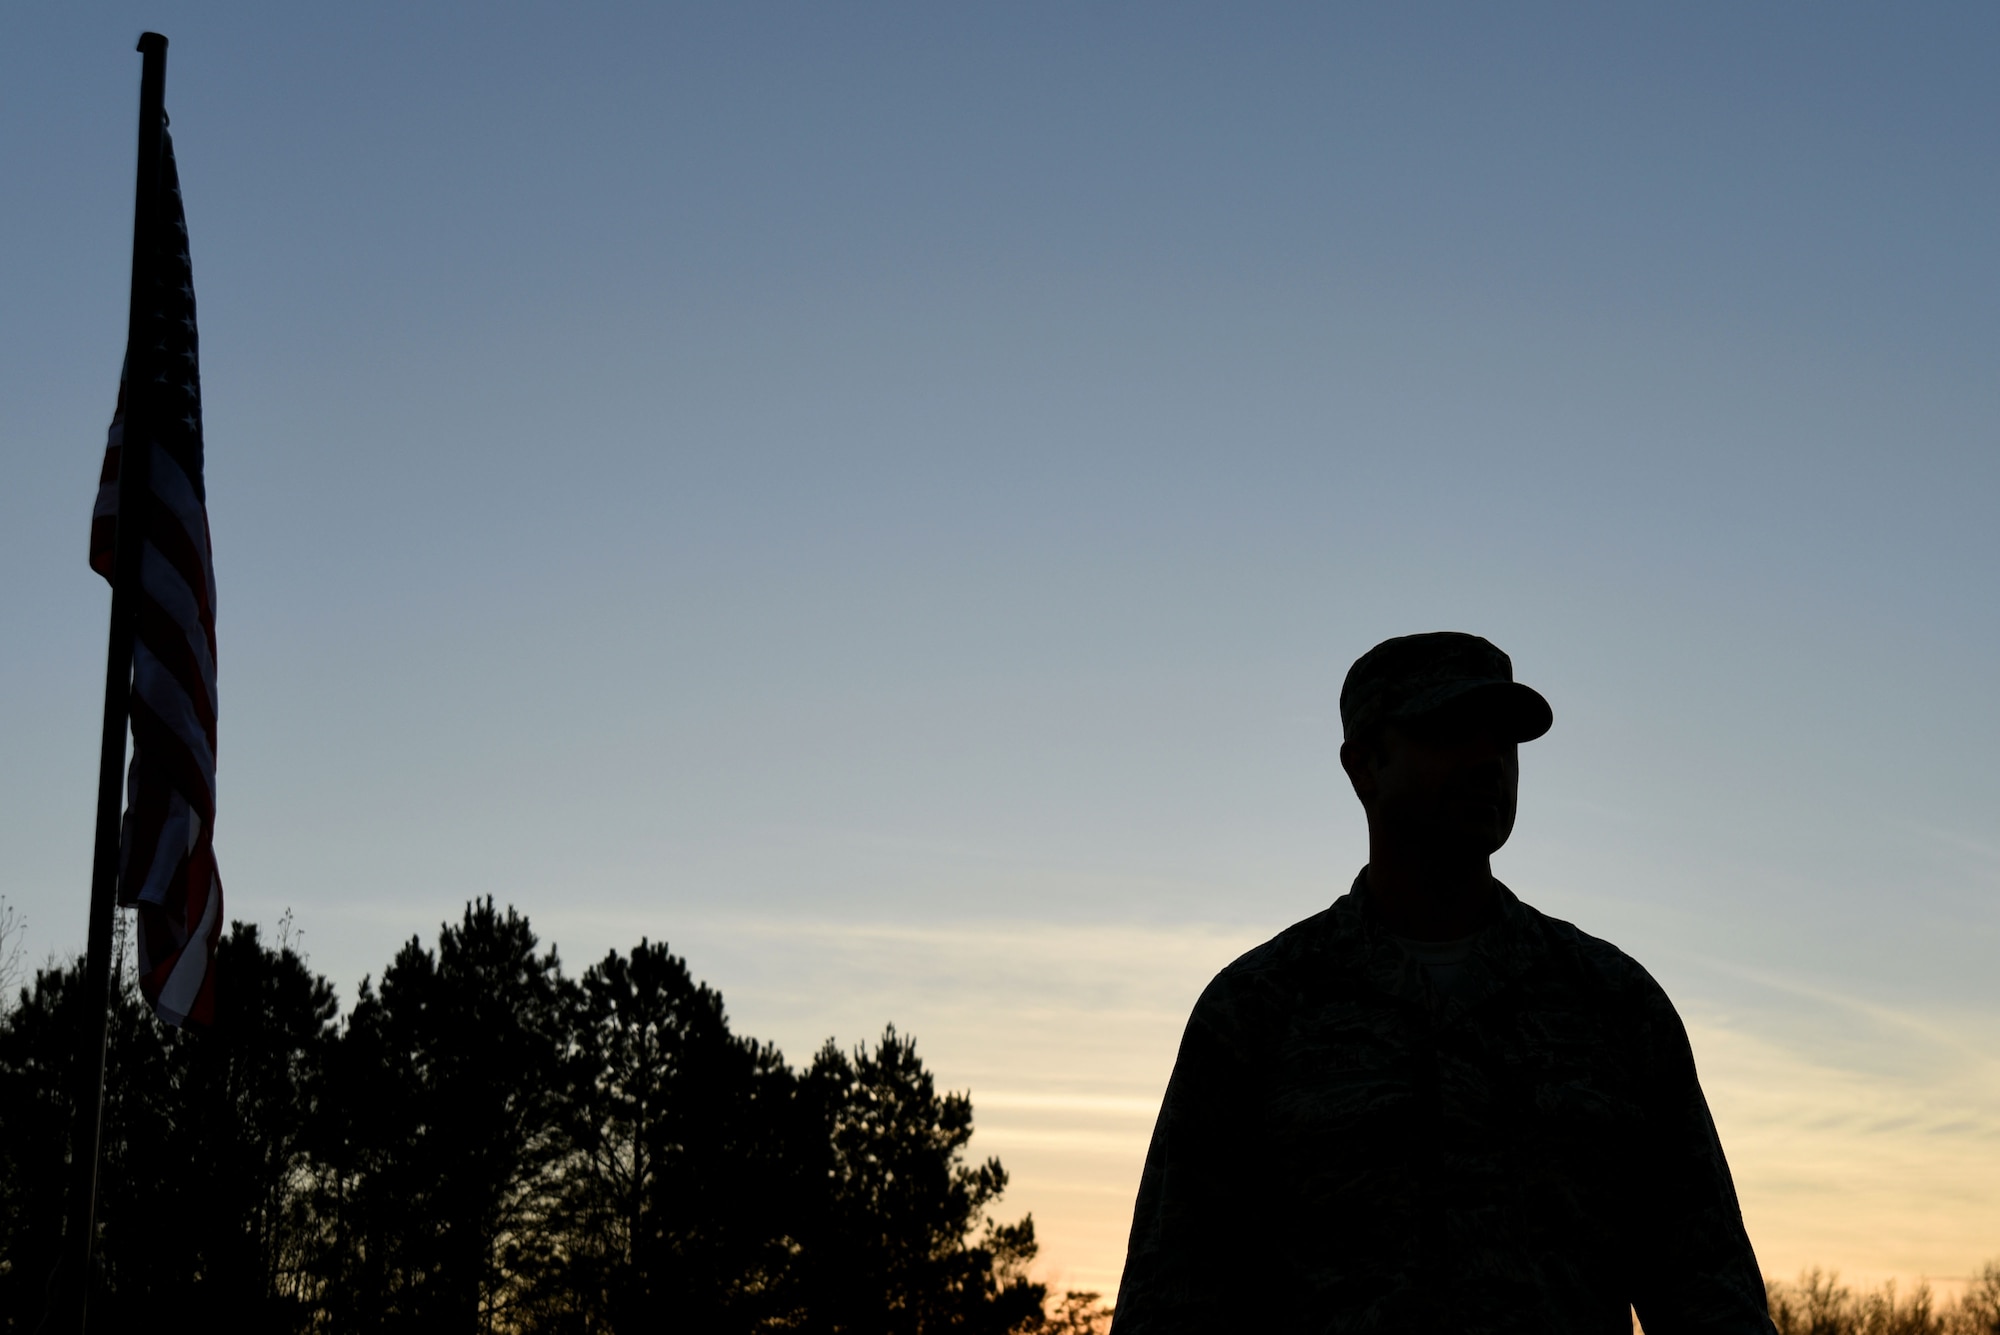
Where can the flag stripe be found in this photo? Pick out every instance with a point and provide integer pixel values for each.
(171, 679)
(184, 993)
(178, 526)
(173, 761)
(147, 810)
(167, 864)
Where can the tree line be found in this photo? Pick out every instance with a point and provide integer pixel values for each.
(486, 1144)
(1819, 1304)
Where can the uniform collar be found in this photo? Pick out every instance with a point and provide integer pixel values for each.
(1505, 948)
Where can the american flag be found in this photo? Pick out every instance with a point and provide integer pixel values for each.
(167, 862)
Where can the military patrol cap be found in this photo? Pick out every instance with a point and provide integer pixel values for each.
(1411, 676)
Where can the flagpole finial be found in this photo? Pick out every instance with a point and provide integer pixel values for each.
(149, 42)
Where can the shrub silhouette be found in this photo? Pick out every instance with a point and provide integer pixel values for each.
(1818, 1304)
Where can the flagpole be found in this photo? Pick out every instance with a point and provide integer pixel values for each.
(134, 463)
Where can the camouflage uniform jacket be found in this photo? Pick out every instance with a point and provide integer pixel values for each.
(1344, 1149)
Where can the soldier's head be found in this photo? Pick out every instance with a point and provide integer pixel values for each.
(1432, 725)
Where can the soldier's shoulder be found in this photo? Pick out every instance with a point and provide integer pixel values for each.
(1598, 963)
(1274, 969)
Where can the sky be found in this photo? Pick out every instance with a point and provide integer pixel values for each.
(882, 498)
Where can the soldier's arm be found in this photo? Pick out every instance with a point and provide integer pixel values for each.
(1698, 1272)
(1190, 1266)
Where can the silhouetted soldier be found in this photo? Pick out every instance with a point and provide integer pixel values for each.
(1431, 1108)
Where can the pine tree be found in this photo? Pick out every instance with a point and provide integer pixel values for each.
(442, 1161)
(897, 1242)
(680, 1181)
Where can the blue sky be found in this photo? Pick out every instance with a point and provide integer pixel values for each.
(883, 498)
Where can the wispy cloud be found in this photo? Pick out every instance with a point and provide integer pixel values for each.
(1937, 837)
(1878, 1153)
